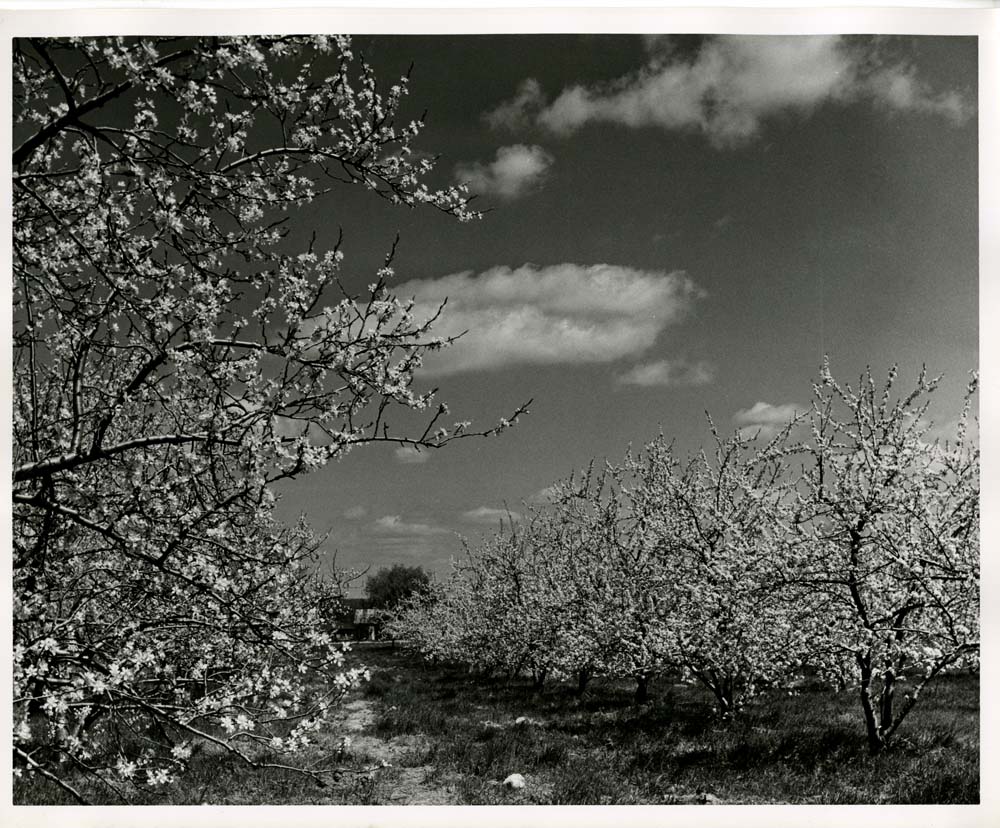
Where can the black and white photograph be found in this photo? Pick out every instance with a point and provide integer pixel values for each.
(563, 417)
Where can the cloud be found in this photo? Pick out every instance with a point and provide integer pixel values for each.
(732, 84)
(668, 372)
(355, 513)
(546, 495)
(947, 431)
(517, 170)
(489, 515)
(515, 113)
(899, 88)
(395, 525)
(765, 418)
(560, 314)
(411, 454)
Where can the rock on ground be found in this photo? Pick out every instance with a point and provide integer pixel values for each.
(515, 780)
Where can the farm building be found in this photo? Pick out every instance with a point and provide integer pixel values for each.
(357, 620)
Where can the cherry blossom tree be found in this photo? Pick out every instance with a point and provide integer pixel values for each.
(718, 522)
(612, 616)
(174, 357)
(504, 605)
(889, 566)
(472, 617)
(435, 622)
(564, 593)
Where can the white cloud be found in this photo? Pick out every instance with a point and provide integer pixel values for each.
(669, 372)
(947, 431)
(897, 87)
(514, 114)
(765, 418)
(516, 171)
(355, 513)
(560, 314)
(546, 495)
(489, 515)
(732, 85)
(411, 454)
(395, 525)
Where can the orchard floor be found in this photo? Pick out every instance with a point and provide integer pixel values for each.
(448, 738)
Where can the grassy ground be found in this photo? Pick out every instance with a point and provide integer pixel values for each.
(450, 738)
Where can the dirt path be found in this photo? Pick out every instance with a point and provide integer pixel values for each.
(402, 782)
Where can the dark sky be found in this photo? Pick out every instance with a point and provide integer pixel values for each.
(677, 225)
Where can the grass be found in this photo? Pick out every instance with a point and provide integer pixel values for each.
(804, 748)
(451, 738)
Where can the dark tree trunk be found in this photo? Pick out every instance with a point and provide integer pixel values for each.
(875, 742)
(888, 690)
(582, 680)
(538, 678)
(724, 696)
(721, 686)
(642, 688)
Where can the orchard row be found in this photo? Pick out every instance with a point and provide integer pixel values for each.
(844, 547)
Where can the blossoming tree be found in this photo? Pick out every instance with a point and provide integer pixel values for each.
(174, 358)
(614, 624)
(719, 525)
(890, 564)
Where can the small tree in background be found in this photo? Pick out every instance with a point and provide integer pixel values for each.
(389, 586)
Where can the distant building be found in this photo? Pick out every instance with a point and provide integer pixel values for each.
(357, 620)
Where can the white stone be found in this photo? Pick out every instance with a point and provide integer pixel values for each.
(515, 780)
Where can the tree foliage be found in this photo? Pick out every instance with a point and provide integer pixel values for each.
(390, 585)
(174, 356)
(889, 556)
(718, 523)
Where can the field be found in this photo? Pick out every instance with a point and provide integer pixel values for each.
(438, 736)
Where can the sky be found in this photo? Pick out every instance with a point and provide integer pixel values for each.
(674, 225)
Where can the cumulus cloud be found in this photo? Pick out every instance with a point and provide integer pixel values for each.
(732, 84)
(765, 418)
(560, 314)
(516, 171)
(489, 515)
(395, 525)
(411, 454)
(669, 372)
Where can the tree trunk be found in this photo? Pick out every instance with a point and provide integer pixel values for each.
(582, 680)
(885, 712)
(538, 677)
(642, 688)
(875, 742)
(724, 696)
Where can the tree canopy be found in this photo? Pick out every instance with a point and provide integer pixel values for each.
(390, 585)
(174, 356)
